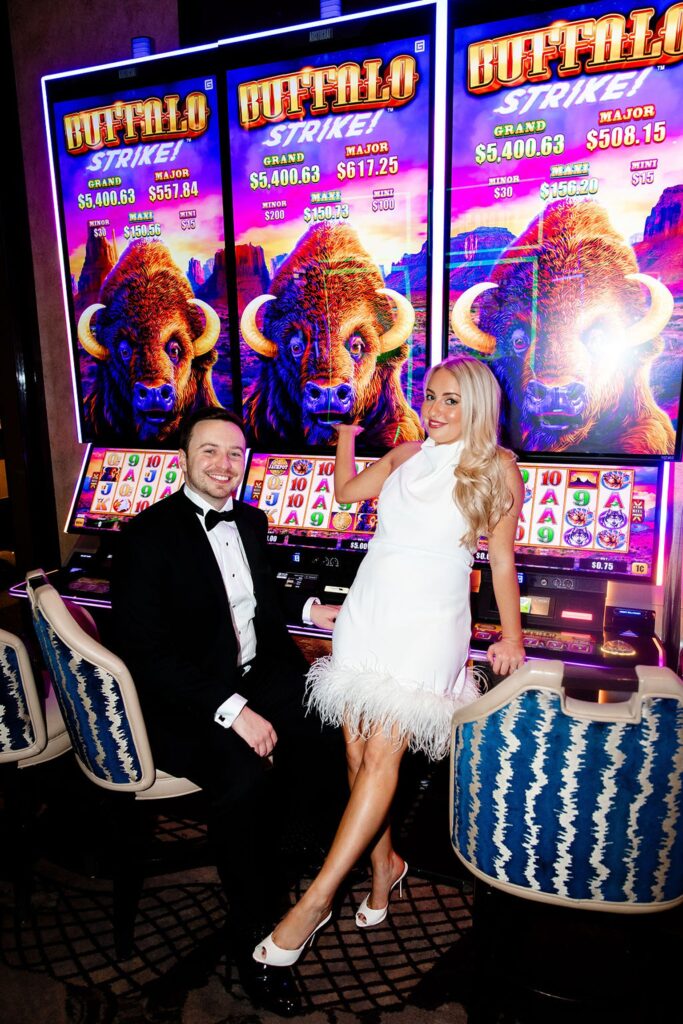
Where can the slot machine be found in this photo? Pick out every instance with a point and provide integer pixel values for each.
(137, 187)
(315, 541)
(561, 276)
(581, 527)
(114, 485)
(331, 181)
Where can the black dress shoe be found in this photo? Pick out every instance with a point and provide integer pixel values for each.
(269, 988)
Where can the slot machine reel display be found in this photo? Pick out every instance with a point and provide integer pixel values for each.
(602, 517)
(115, 485)
(581, 526)
(316, 542)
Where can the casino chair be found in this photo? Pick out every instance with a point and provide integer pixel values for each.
(102, 713)
(32, 733)
(562, 807)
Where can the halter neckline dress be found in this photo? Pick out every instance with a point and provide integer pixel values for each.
(401, 641)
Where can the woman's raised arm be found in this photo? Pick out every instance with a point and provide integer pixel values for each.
(351, 486)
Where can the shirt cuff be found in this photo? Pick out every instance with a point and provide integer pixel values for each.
(229, 710)
(306, 613)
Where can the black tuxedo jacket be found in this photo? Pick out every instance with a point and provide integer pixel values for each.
(172, 620)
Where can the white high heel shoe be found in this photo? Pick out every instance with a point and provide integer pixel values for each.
(268, 952)
(366, 917)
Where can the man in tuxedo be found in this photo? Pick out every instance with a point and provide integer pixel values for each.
(198, 619)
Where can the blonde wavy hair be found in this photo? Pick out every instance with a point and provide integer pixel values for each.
(481, 491)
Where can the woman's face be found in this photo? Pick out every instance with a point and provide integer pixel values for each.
(441, 409)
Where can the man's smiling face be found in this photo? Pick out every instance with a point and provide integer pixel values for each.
(214, 461)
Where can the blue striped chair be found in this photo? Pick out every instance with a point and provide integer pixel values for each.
(560, 808)
(32, 730)
(99, 702)
(570, 802)
(101, 710)
(32, 733)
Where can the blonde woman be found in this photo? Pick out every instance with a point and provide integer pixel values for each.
(398, 666)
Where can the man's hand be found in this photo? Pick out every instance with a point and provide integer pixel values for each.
(324, 616)
(256, 732)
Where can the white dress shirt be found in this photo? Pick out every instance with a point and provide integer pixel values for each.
(234, 569)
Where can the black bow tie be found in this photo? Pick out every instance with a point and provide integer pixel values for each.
(212, 517)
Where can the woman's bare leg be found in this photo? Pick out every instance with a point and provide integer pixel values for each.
(373, 790)
(386, 863)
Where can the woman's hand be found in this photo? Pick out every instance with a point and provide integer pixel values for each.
(349, 430)
(505, 656)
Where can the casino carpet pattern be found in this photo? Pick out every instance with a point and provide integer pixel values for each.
(425, 965)
(422, 966)
(180, 947)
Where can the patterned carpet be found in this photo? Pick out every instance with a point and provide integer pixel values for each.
(422, 966)
(58, 964)
(426, 964)
(179, 948)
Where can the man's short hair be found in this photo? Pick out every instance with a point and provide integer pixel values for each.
(209, 412)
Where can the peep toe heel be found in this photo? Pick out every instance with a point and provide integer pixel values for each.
(366, 917)
(268, 952)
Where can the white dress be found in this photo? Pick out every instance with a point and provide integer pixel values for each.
(401, 641)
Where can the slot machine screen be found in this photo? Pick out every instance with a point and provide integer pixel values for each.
(297, 494)
(330, 165)
(600, 521)
(565, 225)
(138, 188)
(117, 483)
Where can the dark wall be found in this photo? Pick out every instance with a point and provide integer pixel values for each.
(47, 38)
(28, 516)
(206, 23)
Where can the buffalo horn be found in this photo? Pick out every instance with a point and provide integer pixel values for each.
(464, 327)
(402, 327)
(209, 336)
(86, 336)
(657, 316)
(250, 331)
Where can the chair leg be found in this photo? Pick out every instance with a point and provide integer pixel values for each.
(128, 871)
(128, 882)
(20, 817)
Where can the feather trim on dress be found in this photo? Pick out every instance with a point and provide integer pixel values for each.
(366, 699)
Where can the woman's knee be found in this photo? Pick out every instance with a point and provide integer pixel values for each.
(382, 753)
